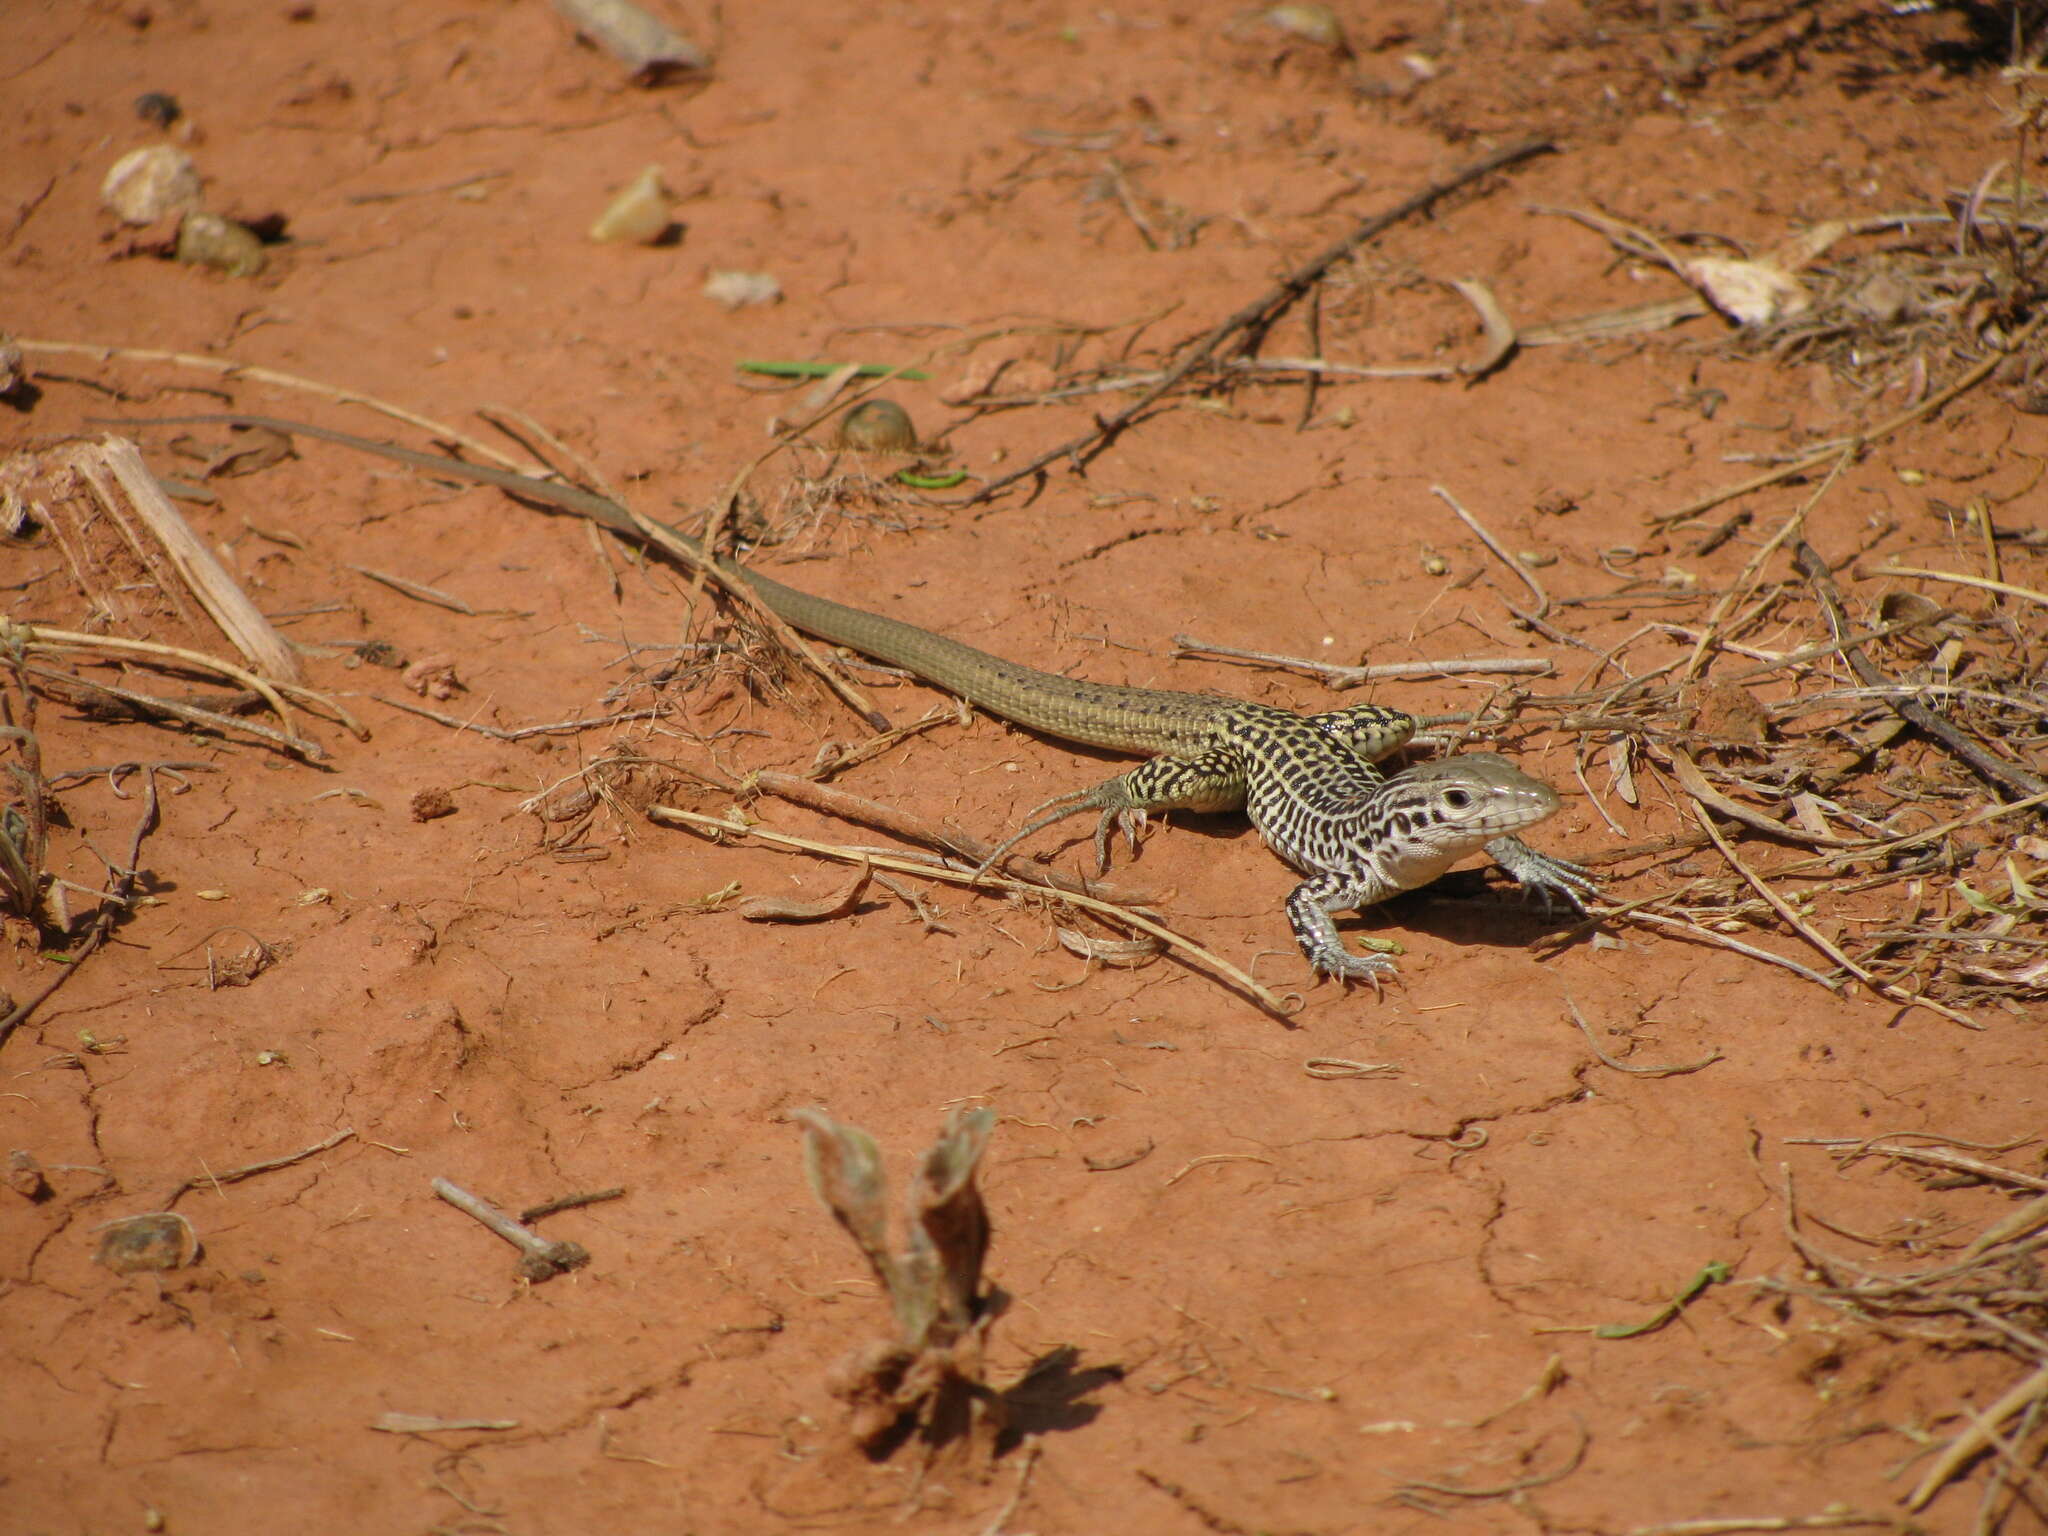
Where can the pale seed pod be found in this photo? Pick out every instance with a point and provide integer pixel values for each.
(640, 215)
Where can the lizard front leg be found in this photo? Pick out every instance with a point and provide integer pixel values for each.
(1309, 907)
(1552, 881)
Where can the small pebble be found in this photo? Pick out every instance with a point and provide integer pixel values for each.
(160, 1240)
(158, 108)
(208, 240)
(149, 184)
(735, 290)
(1316, 24)
(877, 426)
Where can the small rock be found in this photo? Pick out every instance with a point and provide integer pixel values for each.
(432, 805)
(736, 290)
(208, 240)
(150, 184)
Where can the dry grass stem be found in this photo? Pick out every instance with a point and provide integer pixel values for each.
(904, 824)
(1980, 582)
(1339, 677)
(1499, 552)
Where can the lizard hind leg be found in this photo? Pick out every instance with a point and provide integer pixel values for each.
(1102, 797)
(1210, 780)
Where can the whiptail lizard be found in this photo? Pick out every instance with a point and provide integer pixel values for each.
(1308, 782)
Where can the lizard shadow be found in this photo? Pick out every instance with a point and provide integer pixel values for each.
(1468, 908)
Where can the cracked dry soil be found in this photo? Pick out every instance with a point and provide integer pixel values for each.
(1286, 1301)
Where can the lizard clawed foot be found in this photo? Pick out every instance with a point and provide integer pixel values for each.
(1347, 967)
(1554, 882)
(1129, 820)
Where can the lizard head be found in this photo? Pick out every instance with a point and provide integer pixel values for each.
(1437, 813)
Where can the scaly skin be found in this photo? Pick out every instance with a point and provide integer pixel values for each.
(1308, 782)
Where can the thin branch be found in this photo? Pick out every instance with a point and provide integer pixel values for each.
(675, 816)
(1252, 321)
(1528, 580)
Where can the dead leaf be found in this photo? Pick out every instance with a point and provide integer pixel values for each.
(251, 449)
(1747, 292)
(1728, 712)
(781, 909)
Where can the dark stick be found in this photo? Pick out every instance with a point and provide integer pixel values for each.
(534, 1213)
(110, 912)
(2005, 778)
(1258, 316)
(1313, 323)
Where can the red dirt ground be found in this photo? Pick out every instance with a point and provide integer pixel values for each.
(1310, 1305)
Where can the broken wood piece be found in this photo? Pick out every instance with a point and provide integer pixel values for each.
(79, 486)
(539, 1259)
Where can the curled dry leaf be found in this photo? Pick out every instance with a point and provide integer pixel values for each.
(1126, 952)
(1747, 292)
(1501, 336)
(1621, 765)
(781, 909)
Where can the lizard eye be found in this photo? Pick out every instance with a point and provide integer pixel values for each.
(1457, 799)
